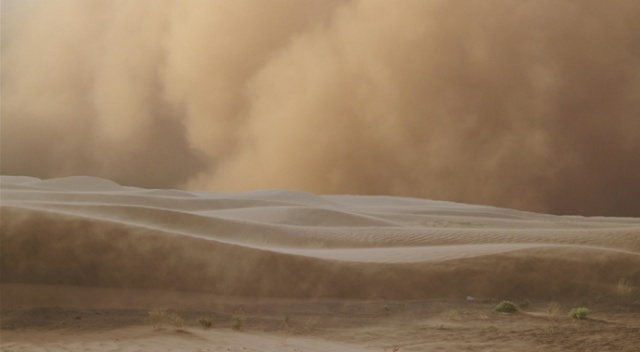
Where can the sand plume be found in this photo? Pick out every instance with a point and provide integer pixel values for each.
(526, 104)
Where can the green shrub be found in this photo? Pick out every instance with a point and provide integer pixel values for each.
(506, 307)
(579, 313)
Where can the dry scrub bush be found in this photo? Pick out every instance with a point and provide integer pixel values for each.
(554, 308)
(177, 321)
(238, 320)
(453, 315)
(156, 317)
(624, 288)
(287, 319)
(206, 322)
(524, 304)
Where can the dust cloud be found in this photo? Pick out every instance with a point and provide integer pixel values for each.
(527, 104)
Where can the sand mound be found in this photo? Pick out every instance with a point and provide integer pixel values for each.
(94, 233)
(80, 184)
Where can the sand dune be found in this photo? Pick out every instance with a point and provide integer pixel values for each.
(90, 231)
(94, 240)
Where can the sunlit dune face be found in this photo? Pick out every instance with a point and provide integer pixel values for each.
(526, 104)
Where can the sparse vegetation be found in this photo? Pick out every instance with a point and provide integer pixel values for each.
(450, 224)
(177, 321)
(624, 288)
(579, 313)
(287, 319)
(156, 317)
(317, 243)
(205, 322)
(238, 320)
(506, 307)
(554, 308)
(453, 315)
(524, 304)
(310, 324)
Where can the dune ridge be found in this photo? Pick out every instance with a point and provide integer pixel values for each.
(91, 232)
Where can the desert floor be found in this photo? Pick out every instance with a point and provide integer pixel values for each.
(338, 325)
(85, 261)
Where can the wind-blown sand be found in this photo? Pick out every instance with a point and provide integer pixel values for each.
(84, 259)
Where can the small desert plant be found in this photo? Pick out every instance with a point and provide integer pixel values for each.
(624, 288)
(287, 319)
(506, 307)
(177, 321)
(156, 317)
(524, 304)
(554, 309)
(579, 313)
(453, 315)
(310, 324)
(238, 320)
(206, 322)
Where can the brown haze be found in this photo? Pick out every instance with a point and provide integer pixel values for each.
(526, 104)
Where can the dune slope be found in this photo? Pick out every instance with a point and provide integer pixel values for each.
(91, 232)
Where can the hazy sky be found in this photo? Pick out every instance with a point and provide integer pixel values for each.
(530, 104)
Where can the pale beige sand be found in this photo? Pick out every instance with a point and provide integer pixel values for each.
(84, 244)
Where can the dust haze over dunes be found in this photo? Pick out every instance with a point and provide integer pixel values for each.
(284, 244)
(84, 261)
(523, 104)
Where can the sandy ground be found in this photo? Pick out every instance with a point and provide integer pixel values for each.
(84, 260)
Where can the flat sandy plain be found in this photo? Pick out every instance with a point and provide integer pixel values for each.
(85, 260)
